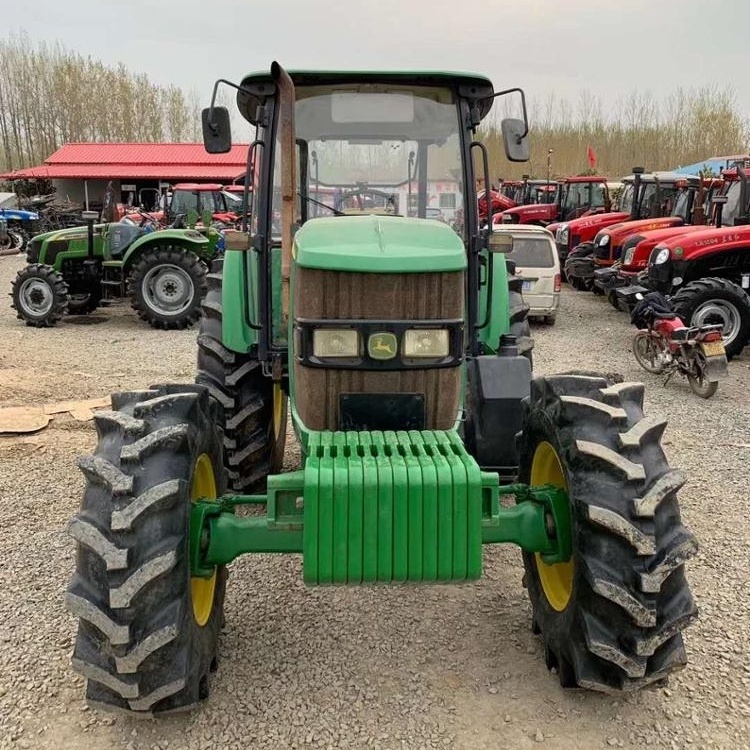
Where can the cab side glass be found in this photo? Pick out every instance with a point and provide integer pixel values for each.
(217, 130)
(516, 146)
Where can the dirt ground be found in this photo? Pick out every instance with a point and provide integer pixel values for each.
(383, 667)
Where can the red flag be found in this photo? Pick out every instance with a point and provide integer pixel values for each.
(591, 154)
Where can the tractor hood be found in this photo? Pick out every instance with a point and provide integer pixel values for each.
(622, 230)
(18, 214)
(591, 224)
(637, 248)
(708, 238)
(379, 244)
(71, 233)
(533, 212)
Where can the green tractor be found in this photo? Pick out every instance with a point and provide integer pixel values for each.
(390, 341)
(163, 271)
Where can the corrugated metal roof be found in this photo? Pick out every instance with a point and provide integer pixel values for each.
(219, 172)
(167, 161)
(144, 153)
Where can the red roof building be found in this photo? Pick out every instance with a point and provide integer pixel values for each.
(133, 161)
(81, 171)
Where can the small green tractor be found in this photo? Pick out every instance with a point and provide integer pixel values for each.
(392, 342)
(74, 270)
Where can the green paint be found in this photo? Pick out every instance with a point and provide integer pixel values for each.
(237, 298)
(379, 244)
(499, 308)
(383, 506)
(371, 510)
(187, 239)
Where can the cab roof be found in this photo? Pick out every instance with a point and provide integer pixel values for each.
(260, 84)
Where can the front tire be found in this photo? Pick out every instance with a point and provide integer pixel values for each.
(40, 295)
(147, 631)
(650, 352)
(254, 408)
(716, 300)
(166, 287)
(611, 617)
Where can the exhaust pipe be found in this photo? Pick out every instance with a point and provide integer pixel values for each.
(288, 178)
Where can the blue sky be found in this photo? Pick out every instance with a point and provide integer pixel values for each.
(545, 46)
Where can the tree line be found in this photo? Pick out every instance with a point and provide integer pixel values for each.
(686, 127)
(50, 95)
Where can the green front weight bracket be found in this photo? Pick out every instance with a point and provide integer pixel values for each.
(539, 521)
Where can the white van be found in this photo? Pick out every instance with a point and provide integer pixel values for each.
(537, 263)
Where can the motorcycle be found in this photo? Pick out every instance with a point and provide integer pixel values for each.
(664, 345)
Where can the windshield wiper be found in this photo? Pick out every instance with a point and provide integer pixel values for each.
(335, 211)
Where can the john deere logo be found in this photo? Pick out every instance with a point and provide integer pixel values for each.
(382, 346)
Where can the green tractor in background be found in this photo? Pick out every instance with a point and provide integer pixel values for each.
(389, 340)
(163, 271)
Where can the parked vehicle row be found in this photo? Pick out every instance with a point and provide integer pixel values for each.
(695, 258)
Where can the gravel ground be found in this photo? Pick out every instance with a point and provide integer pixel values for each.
(401, 667)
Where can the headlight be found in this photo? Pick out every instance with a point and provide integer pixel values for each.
(603, 240)
(329, 342)
(628, 259)
(563, 234)
(426, 342)
(662, 256)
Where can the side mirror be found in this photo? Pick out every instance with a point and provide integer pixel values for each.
(217, 130)
(514, 139)
(501, 242)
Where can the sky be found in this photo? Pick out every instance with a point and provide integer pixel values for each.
(561, 47)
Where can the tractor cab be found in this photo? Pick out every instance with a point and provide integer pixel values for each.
(581, 196)
(119, 236)
(193, 199)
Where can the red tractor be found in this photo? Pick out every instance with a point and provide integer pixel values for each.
(498, 204)
(645, 196)
(618, 281)
(574, 197)
(682, 195)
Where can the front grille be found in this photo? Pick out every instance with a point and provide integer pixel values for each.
(339, 295)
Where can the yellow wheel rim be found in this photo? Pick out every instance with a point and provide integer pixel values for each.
(278, 410)
(202, 590)
(557, 579)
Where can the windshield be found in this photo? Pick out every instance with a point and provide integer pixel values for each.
(682, 204)
(394, 151)
(532, 252)
(656, 200)
(626, 199)
(584, 195)
(183, 201)
(732, 207)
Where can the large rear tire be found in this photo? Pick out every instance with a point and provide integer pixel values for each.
(147, 630)
(166, 287)
(611, 617)
(254, 408)
(716, 300)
